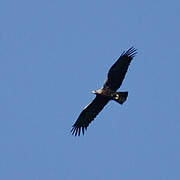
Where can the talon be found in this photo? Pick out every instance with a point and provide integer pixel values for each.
(117, 96)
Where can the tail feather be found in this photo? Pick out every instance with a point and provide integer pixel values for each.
(120, 97)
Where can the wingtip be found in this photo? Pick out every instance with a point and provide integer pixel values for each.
(73, 130)
(131, 52)
(76, 131)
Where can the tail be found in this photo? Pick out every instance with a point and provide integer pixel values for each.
(120, 97)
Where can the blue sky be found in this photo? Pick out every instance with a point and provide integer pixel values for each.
(53, 54)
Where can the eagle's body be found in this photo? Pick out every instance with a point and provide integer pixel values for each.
(108, 92)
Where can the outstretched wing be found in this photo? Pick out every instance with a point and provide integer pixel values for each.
(118, 70)
(88, 114)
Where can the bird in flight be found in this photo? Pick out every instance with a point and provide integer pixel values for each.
(108, 92)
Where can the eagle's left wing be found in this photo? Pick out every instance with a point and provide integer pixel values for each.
(118, 70)
(88, 114)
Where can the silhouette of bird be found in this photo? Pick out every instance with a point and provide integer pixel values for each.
(108, 92)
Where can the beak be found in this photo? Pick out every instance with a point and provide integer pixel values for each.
(94, 92)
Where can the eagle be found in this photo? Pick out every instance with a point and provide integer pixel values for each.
(108, 92)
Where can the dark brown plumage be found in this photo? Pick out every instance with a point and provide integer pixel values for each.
(108, 92)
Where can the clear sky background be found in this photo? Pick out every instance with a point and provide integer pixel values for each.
(53, 54)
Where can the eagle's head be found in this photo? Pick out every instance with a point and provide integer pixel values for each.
(99, 91)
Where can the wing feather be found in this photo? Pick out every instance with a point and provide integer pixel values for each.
(88, 114)
(118, 70)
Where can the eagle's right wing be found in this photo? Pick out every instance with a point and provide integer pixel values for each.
(88, 114)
